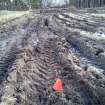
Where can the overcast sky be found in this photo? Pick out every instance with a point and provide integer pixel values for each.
(53, 2)
(58, 2)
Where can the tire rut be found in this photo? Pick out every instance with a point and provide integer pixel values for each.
(35, 70)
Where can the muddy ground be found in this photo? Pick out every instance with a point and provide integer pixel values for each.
(37, 49)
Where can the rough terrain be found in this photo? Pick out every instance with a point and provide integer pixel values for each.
(37, 49)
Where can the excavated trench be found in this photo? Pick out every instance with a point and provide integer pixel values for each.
(35, 62)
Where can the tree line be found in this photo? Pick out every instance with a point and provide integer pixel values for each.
(31, 4)
(19, 4)
(87, 3)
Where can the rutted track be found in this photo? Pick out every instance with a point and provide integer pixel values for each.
(37, 65)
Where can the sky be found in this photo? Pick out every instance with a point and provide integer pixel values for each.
(58, 2)
(54, 2)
